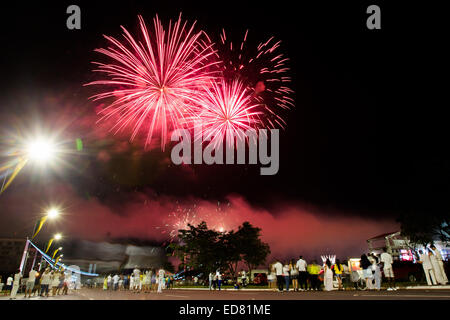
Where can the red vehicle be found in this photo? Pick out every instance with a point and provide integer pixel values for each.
(407, 271)
(260, 279)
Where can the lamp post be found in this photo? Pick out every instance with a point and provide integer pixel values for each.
(50, 214)
(40, 150)
(56, 237)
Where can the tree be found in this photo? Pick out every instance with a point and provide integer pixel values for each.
(230, 245)
(425, 229)
(206, 250)
(197, 247)
(254, 251)
(168, 266)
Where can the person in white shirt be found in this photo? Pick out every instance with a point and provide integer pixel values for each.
(109, 281)
(55, 282)
(131, 282)
(440, 263)
(219, 279)
(16, 284)
(121, 283)
(30, 283)
(387, 261)
(271, 277)
(116, 279)
(436, 268)
(45, 282)
(302, 273)
(287, 275)
(210, 278)
(328, 276)
(9, 283)
(161, 274)
(141, 282)
(137, 276)
(278, 266)
(294, 274)
(67, 279)
(424, 260)
(244, 278)
(147, 281)
(377, 271)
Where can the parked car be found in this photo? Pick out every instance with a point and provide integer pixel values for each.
(260, 279)
(408, 271)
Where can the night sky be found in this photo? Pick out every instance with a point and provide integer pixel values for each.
(365, 143)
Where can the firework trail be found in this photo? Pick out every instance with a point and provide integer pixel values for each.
(227, 111)
(155, 83)
(265, 72)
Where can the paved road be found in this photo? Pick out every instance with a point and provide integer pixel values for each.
(98, 294)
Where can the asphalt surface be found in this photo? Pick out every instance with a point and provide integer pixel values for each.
(180, 294)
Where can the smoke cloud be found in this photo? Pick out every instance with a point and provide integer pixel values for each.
(290, 230)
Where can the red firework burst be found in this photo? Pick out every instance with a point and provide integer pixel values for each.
(226, 111)
(154, 83)
(264, 70)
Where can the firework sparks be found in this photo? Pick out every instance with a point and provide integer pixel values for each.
(155, 82)
(183, 216)
(227, 111)
(264, 70)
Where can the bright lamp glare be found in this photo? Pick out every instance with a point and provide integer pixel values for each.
(58, 236)
(41, 150)
(52, 213)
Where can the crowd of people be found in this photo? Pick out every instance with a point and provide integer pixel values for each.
(41, 284)
(215, 280)
(301, 276)
(145, 281)
(295, 274)
(433, 266)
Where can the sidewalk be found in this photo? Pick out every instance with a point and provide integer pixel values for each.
(441, 287)
(419, 287)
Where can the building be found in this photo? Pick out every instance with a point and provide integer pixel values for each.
(107, 257)
(11, 251)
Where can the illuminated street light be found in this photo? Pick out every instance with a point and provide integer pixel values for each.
(40, 150)
(56, 237)
(52, 213)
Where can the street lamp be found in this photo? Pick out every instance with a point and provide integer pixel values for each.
(56, 237)
(40, 150)
(51, 213)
